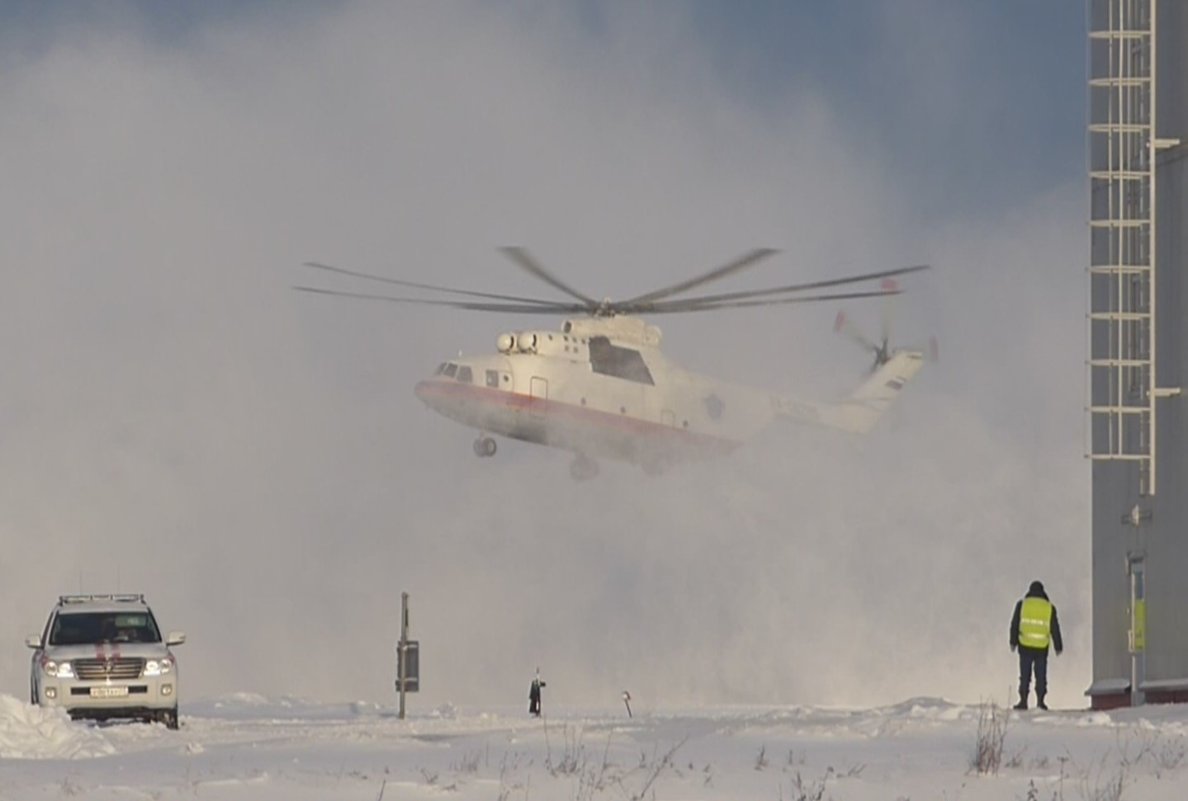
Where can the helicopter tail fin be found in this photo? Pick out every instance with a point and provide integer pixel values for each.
(862, 409)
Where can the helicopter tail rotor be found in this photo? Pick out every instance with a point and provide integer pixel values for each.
(882, 349)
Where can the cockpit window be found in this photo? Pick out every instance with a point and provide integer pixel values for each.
(465, 375)
(619, 362)
(440, 369)
(450, 370)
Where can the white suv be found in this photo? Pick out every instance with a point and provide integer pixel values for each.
(102, 656)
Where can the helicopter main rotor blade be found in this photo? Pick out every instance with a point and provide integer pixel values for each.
(692, 305)
(416, 285)
(759, 293)
(742, 262)
(536, 307)
(521, 257)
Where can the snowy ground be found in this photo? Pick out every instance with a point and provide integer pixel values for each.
(248, 747)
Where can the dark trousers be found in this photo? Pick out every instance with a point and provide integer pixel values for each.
(1030, 658)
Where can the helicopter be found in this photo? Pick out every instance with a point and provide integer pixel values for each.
(600, 386)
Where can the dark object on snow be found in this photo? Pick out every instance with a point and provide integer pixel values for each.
(534, 696)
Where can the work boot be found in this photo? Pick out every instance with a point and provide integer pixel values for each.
(1040, 703)
(1022, 702)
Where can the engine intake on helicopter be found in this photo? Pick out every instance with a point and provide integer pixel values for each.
(523, 341)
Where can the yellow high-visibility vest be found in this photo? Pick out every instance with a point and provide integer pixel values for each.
(1035, 623)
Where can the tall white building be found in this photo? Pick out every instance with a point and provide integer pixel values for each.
(1138, 349)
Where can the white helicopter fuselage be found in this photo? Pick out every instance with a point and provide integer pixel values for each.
(602, 388)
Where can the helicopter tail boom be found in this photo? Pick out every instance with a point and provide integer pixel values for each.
(861, 410)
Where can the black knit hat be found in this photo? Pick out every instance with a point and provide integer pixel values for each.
(1036, 587)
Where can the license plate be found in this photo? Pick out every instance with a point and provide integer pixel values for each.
(108, 692)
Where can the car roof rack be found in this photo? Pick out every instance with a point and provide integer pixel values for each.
(127, 597)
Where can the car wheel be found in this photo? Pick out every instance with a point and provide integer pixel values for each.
(169, 718)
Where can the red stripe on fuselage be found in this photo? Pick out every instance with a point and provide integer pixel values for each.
(678, 439)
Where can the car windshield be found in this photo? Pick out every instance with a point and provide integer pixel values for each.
(84, 628)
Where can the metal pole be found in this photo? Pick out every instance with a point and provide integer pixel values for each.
(402, 649)
(1138, 629)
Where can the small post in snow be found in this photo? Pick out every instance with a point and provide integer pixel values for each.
(408, 658)
(627, 702)
(400, 660)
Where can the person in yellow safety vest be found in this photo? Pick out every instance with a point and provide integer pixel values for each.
(1033, 626)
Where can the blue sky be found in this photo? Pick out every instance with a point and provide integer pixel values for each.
(1017, 65)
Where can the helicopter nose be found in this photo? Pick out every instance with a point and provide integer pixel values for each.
(429, 392)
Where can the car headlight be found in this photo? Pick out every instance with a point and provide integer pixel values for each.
(59, 670)
(158, 667)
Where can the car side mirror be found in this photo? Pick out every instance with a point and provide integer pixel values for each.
(33, 641)
(175, 638)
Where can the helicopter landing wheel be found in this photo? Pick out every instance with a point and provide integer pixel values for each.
(583, 468)
(485, 447)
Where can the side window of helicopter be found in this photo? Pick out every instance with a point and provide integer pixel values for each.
(612, 360)
(465, 375)
(440, 369)
(450, 370)
(493, 378)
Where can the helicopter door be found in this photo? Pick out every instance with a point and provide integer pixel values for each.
(668, 418)
(539, 388)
